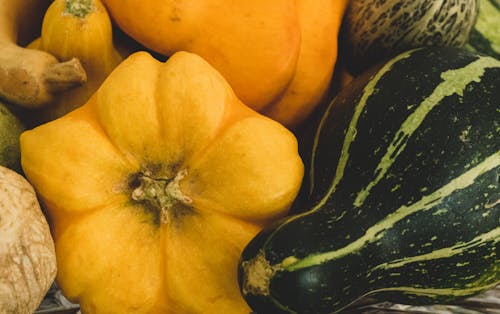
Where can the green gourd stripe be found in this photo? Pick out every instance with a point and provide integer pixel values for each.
(350, 136)
(494, 3)
(352, 129)
(376, 232)
(432, 292)
(324, 118)
(437, 292)
(493, 236)
(454, 82)
(480, 44)
(487, 24)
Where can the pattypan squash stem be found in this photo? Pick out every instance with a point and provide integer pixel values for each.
(162, 193)
(79, 8)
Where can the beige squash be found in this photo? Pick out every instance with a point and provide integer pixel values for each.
(27, 254)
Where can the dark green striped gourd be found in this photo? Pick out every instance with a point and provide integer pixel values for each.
(375, 30)
(485, 35)
(402, 196)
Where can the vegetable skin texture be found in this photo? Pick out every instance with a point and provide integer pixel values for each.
(278, 56)
(11, 128)
(27, 253)
(376, 31)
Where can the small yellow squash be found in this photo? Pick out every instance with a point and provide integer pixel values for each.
(78, 29)
(156, 184)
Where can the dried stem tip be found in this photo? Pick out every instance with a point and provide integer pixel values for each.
(79, 8)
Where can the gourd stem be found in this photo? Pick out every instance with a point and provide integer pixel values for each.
(65, 75)
(257, 274)
(79, 8)
(162, 193)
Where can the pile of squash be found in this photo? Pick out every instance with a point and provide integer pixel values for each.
(154, 140)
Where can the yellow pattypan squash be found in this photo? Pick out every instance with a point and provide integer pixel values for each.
(155, 185)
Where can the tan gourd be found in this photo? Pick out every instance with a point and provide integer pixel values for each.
(27, 254)
(28, 77)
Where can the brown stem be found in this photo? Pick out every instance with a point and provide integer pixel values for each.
(32, 78)
(65, 75)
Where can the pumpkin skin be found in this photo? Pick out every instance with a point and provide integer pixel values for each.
(27, 252)
(320, 21)
(77, 29)
(278, 56)
(157, 184)
(255, 52)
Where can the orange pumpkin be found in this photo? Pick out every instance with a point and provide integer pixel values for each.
(278, 56)
(320, 21)
(235, 37)
(156, 184)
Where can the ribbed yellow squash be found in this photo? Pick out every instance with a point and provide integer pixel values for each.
(78, 29)
(155, 185)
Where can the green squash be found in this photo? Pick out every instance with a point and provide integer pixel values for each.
(10, 129)
(485, 35)
(401, 198)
